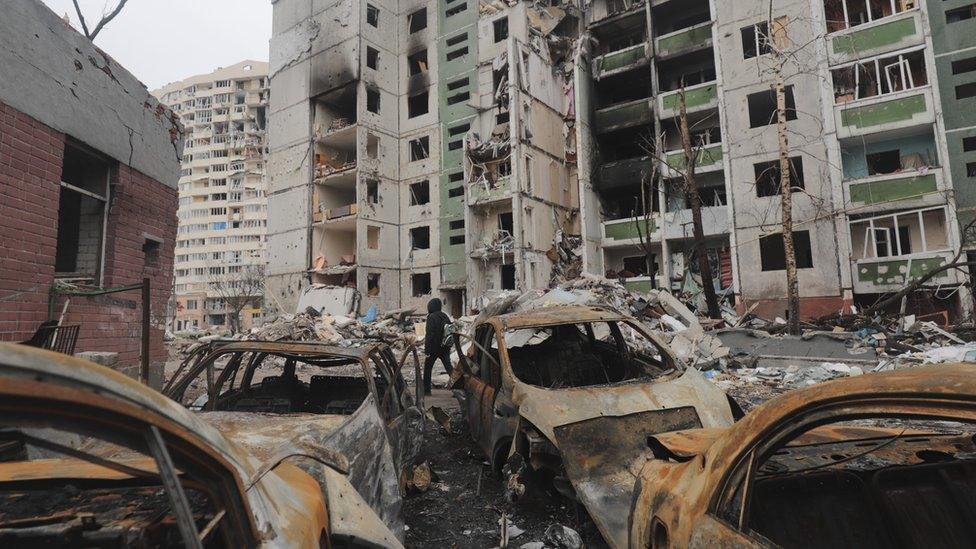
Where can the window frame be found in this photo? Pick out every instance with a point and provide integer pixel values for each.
(105, 199)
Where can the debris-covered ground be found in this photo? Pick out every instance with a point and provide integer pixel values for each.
(462, 504)
(465, 502)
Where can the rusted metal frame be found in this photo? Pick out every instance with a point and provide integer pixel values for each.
(418, 374)
(85, 456)
(177, 498)
(209, 528)
(21, 395)
(194, 356)
(336, 461)
(230, 369)
(909, 405)
(377, 358)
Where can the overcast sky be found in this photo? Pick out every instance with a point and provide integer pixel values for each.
(162, 41)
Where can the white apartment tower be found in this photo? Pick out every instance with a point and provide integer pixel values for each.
(223, 208)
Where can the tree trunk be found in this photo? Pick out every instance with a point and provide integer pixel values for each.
(786, 190)
(691, 187)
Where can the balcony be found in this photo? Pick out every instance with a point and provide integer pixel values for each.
(629, 231)
(877, 37)
(685, 40)
(640, 284)
(622, 173)
(709, 159)
(679, 225)
(480, 195)
(620, 61)
(890, 275)
(914, 189)
(700, 97)
(624, 115)
(885, 113)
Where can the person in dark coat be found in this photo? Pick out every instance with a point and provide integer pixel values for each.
(434, 346)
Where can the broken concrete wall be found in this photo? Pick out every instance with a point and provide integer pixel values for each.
(57, 76)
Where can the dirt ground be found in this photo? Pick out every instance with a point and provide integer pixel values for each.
(454, 513)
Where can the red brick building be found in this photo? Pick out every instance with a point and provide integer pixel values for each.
(88, 169)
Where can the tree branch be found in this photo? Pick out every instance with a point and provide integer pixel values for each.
(84, 25)
(106, 19)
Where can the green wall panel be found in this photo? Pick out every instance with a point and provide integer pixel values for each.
(890, 190)
(885, 112)
(862, 42)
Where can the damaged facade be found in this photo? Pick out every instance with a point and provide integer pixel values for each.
(459, 148)
(88, 167)
(223, 208)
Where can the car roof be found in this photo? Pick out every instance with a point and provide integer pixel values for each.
(361, 352)
(563, 314)
(38, 365)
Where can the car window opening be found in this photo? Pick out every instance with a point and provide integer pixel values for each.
(582, 355)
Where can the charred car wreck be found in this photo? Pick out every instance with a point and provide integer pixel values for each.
(881, 460)
(89, 457)
(545, 391)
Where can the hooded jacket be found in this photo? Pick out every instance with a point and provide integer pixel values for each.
(436, 321)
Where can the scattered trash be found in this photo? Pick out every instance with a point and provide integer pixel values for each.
(440, 416)
(420, 478)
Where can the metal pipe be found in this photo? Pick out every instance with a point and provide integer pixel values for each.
(146, 309)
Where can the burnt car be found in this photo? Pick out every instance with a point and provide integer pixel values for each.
(544, 390)
(880, 460)
(351, 400)
(92, 458)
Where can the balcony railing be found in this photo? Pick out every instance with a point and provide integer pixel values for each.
(622, 173)
(883, 35)
(708, 157)
(688, 39)
(620, 60)
(885, 112)
(697, 98)
(898, 190)
(891, 274)
(624, 115)
(630, 230)
(479, 195)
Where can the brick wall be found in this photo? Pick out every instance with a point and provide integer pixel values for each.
(30, 172)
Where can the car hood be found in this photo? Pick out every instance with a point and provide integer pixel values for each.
(265, 435)
(547, 409)
(602, 433)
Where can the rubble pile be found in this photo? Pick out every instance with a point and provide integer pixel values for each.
(394, 328)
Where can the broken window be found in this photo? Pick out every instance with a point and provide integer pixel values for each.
(456, 10)
(82, 213)
(755, 40)
(420, 238)
(419, 193)
(507, 273)
(419, 148)
(455, 192)
(505, 168)
(500, 29)
(456, 225)
(150, 250)
(372, 100)
(417, 21)
(963, 66)
(458, 98)
(768, 176)
(903, 233)
(879, 76)
(454, 54)
(883, 162)
(505, 223)
(965, 91)
(971, 169)
(420, 284)
(372, 237)
(636, 266)
(372, 15)
(773, 256)
(456, 240)
(372, 146)
(372, 57)
(842, 14)
(372, 191)
(762, 107)
(960, 14)
(969, 144)
(373, 284)
(584, 354)
(417, 62)
(418, 104)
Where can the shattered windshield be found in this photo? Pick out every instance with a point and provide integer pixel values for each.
(583, 354)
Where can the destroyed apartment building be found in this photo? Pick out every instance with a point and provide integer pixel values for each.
(453, 148)
(88, 168)
(223, 208)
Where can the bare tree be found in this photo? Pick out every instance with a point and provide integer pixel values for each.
(691, 190)
(238, 290)
(106, 18)
(778, 44)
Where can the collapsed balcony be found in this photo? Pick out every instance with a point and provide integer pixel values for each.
(623, 101)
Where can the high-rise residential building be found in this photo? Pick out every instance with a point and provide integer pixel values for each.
(438, 149)
(220, 257)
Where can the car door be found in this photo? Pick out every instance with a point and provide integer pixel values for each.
(470, 378)
(405, 414)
